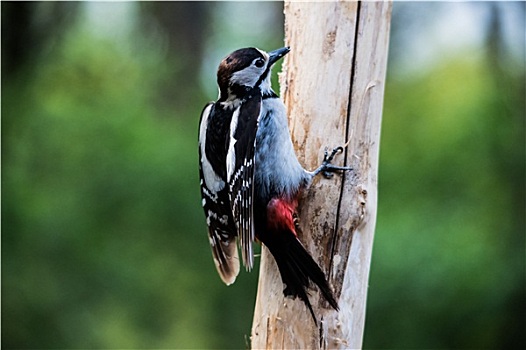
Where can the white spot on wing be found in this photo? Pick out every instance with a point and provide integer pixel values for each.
(223, 220)
(231, 155)
(213, 196)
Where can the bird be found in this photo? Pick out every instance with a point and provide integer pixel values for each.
(251, 179)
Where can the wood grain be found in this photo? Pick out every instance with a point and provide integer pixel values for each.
(332, 84)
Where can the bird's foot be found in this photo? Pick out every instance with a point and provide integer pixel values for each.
(328, 169)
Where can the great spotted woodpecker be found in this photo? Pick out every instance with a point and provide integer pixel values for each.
(251, 178)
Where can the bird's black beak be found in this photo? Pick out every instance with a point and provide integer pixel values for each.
(277, 54)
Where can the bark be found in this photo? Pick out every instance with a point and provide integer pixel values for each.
(333, 85)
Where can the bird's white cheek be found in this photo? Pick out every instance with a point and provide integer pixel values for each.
(247, 77)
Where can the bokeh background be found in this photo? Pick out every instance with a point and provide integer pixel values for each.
(103, 239)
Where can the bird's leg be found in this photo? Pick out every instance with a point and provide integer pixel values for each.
(326, 168)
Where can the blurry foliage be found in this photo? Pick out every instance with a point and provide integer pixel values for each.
(103, 238)
(448, 260)
(38, 27)
(179, 28)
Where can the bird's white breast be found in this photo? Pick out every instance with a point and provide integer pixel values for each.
(277, 167)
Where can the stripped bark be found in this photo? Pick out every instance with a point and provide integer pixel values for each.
(333, 85)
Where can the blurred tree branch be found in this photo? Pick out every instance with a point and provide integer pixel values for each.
(507, 126)
(27, 28)
(182, 27)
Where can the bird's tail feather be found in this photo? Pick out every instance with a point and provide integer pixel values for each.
(298, 268)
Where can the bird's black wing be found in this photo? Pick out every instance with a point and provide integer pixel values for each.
(213, 137)
(240, 171)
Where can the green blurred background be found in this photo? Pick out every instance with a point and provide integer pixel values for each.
(103, 238)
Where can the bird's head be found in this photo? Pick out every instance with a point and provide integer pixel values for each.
(245, 69)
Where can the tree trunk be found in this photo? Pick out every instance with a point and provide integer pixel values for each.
(333, 84)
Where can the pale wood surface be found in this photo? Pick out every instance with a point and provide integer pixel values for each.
(333, 85)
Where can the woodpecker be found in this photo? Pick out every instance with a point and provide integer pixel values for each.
(251, 178)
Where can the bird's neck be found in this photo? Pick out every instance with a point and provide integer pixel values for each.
(237, 94)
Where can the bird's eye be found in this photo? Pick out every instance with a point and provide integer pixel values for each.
(259, 63)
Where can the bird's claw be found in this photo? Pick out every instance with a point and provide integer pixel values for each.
(327, 169)
(328, 158)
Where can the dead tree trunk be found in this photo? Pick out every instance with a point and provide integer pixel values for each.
(333, 85)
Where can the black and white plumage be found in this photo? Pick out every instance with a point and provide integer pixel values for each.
(251, 177)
